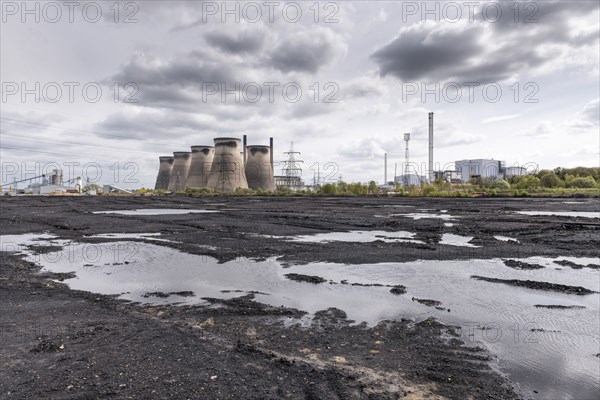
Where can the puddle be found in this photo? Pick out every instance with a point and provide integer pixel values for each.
(156, 211)
(355, 236)
(448, 224)
(552, 351)
(451, 239)
(582, 214)
(444, 216)
(506, 239)
(146, 236)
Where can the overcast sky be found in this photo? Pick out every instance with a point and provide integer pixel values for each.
(368, 72)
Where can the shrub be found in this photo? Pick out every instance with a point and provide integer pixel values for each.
(429, 191)
(587, 182)
(550, 180)
(527, 182)
(500, 184)
(328, 189)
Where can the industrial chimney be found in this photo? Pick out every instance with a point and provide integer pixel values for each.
(200, 166)
(164, 172)
(259, 170)
(227, 172)
(181, 167)
(385, 169)
(431, 173)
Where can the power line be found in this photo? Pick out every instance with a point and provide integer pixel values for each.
(54, 141)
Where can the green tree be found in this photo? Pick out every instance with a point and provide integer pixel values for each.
(373, 187)
(528, 182)
(500, 184)
(550, 180)
(328, 189)
(582, 182)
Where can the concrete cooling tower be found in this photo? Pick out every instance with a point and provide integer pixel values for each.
(164, 172)
(259, 170)
(227, 173)
(181, 166)
(200, 167)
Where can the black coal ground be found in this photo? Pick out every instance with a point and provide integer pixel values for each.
(61, 343)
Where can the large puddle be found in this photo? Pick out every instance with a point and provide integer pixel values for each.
(448, 239)
(551, 351)
(355, 236)
(582, 214)
(156, 211)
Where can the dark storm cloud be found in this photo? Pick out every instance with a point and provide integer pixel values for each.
(306, 51)
(550, 18)
(243, 42)
(418, 53)
(462, 52)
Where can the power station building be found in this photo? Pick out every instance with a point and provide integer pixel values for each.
(480, 168)
(228, 165)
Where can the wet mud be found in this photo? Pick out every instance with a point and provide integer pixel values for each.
(64, 343)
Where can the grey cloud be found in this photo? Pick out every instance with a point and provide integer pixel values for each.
(361, 87)
(192, 69)
(591, 111)
(246, 41)
(157, 125)
(306, 51)
(418, 52)
(459, 52)
(547, 20)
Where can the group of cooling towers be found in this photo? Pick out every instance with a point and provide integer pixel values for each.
(226, 166)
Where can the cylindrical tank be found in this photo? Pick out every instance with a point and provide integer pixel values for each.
(181, 167)
(227, 172)
(164, 172)
(202, 159)
(259, 171)
(57, 177)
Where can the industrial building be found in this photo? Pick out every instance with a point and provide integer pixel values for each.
(52, 183)
(228, 165)
(480, 168)
(515, 171)
(410, 180)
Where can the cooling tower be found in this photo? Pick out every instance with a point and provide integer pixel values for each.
(164, 173)
(181, 166)
(259, 171)
(227, 172)
(202, 159)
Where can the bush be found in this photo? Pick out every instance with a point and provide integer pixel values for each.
(329, 189)
(527, 182)
(587, 182)
(550, 180)
(500, 184)
(429, 191)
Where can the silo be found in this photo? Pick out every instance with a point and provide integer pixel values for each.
(164, 172)
(227, 172)
(181, 166)
(202, 159)
(259, 170)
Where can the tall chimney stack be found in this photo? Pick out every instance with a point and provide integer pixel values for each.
(385, 170)
(244, 145)
(271, 153)
(431, 174)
